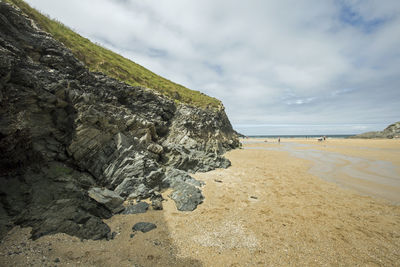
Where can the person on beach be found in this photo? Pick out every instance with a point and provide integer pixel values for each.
(279, 139)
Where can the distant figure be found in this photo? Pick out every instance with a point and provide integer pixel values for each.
(279, 139)
(324, 137)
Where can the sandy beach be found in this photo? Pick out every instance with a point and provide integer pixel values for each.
(277, 205)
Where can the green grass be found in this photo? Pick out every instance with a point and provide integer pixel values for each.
(100, 59)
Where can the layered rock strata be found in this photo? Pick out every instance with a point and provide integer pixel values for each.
(65, 131)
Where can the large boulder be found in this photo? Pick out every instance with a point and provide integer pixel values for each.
(108, 198)
(186, 197)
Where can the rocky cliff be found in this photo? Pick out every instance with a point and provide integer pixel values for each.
(65, 131)
(392, 131)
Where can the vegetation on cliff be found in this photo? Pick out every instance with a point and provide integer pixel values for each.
(392, 131)
(100, 59)
(74, 144)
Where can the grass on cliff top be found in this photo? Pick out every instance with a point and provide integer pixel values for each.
(100, 59)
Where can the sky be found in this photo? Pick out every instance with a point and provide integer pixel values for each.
(279, 67)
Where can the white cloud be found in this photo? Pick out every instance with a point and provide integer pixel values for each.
(268, 61)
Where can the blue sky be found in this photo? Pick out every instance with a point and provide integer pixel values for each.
(280, 67)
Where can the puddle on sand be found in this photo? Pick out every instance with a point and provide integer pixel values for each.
(371, 177)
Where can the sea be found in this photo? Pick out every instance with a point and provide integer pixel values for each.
(302, 136)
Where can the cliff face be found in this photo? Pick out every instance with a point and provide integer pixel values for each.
(392, 131)
(65, 130)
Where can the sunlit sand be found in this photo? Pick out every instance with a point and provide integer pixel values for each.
(300, 202)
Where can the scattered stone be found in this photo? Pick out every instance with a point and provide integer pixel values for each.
(132, 235)
(156, 203)
(112, 235)
(217, 181)
(253, 197)
(140, 207)
(187, 197)
(57, 260)
(108, 198)
(144, 227)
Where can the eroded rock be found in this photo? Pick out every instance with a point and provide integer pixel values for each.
(64, 130)
(108, 198)
(144, 227)
(140, 207)
(186, 197)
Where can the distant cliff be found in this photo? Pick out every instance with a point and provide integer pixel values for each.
(392, 131)
(65, 130)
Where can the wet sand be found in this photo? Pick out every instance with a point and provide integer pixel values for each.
(268, 209)
(370, 167)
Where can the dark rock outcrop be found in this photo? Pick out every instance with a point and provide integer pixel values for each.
(144, 227)
(108, 198)
(64, 130)
(140, 207)
(186, 196)
(392, 131)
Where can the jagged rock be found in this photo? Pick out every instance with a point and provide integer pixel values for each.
(195, 160)
(144, 227)
(108, 198)
(174, 177)
(392, 131)
(140, 207)
(155, 148)
(64, 129)
(141, 191)
(186, 196)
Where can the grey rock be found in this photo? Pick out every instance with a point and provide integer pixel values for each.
(192, 160)
(131, 186)
(155, 148)
(140, 207)
(64, 130)
(156, 203)
(112, 235)
(108, 198)
(392, 131)
(186, 197)
(144, 227)
(174, 177)
(141, 191)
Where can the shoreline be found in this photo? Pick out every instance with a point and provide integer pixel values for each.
(369, 167)
(266, 209)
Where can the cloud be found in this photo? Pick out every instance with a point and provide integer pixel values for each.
(286, 62)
